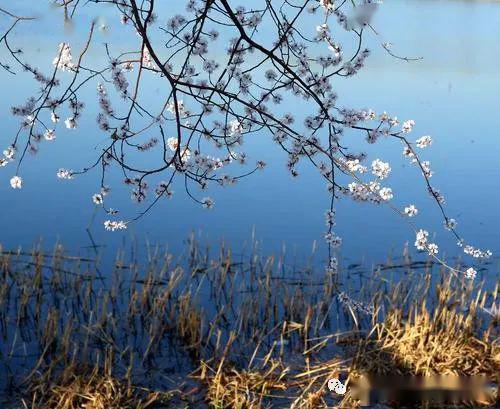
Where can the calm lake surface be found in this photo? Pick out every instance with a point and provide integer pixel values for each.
(452, 94)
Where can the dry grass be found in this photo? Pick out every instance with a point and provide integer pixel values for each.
(75, 390)
(443, 341)
(225, 331)
(233, 388)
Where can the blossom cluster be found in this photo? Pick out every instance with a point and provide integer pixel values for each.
(64, 60)
(354, 304)
(113, 225)
(421, 242)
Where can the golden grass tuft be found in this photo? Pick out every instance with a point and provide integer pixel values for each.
(444, 340)
(228, 387)
(74, 390)
(438, 343)
(423, 342)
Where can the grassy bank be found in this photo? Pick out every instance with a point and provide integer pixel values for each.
(226, 331)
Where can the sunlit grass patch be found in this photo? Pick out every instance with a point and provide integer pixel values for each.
(228, 387)
(77, 389)
(448, 339)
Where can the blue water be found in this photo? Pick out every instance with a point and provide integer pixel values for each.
(452, 94)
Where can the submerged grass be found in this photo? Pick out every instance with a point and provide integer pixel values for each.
(227, 331)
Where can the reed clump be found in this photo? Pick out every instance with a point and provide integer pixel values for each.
(77, 389)
(438, 342)
(448, 339)
(443, 340)
(229, 387)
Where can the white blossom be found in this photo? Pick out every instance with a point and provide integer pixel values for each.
(185, 155)
(333, 240)
(180, 106)
(29, 120)
(424, 141)
(380, 169)
(477, 253)
(470, 273)
(70, 123)
(65, 174)
(49, 135)
(16, 182)
(235, 127)
(332, 267)
(327, 5)
(146, 58)
(173, 143)
(354, 304)
(421, 239)
(432, 248)
(450, 224)
(407, 152)
(407, 126)
(411, 211)
(368, 192)
(207, 202)
(395, 121)
(112, 225)
(330, 218)
(322, 30)
(426, 167)
(336, 49)
(386, 193)
(9, 153)
(354, 165)
(97, 199)
(64, 60)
